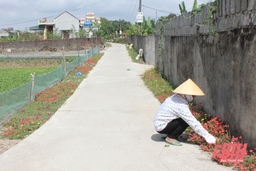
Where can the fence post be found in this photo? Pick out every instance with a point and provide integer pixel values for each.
(85, 54)
(78, 57)
(64, 61)
(96, 40)
(32, 86)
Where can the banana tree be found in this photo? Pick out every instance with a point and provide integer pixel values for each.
(195, 6)
(182, 8)
(147, 27)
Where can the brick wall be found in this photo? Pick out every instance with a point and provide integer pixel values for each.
(33, 46)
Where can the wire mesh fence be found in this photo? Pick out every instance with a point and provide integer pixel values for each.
(15, 99)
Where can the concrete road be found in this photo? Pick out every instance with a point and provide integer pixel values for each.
(106, 125)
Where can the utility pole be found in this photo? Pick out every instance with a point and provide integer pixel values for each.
(140, 6)
(156, 16)
(120, 25)
(139, 22)
(139, 18)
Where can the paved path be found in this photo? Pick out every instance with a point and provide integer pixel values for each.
(106, 125)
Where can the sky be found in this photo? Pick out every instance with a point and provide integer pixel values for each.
(22, 14)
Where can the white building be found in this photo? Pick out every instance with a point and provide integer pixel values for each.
(90, 23)
(65, 23)
(91, 17)
(4, 33)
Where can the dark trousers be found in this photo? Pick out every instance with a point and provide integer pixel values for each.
(174, 128)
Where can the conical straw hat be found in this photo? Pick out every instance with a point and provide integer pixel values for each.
(189, 88)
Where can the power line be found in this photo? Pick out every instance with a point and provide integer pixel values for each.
(129, 10)
(50, 16)
(128, 14)
(87, 5)
(156, 9)
(19, 22)
(133, 11)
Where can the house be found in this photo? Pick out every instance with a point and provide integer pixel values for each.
(65, 24)
(90, 23)
(4, 33)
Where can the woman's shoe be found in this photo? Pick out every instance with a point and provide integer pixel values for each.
(175, 143)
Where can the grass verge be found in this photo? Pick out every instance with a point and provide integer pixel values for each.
(159, 86)
(132, 53)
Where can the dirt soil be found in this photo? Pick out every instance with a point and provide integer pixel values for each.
(26, 63)
(6, 144)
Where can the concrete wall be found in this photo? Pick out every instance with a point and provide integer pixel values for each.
(69, 44)
(223, 66)
(230, 14)
(148, 45)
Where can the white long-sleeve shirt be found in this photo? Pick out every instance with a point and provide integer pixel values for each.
(175, 107)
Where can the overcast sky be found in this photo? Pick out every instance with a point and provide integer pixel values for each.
(22, 14)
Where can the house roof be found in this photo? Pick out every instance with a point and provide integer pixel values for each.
(68, 13)
(39, 27)
(3, 31)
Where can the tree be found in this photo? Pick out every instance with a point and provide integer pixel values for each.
(81, 33)
(195, 6)
(182, 8)
(108, 29)
(147, 27)
(133, 30)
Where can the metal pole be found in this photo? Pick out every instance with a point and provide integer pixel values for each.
(140, 6)
(156, 16)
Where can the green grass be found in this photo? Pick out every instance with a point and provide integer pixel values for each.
(132, 53)
(159, 86)
(13, 77)
(108, 44)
